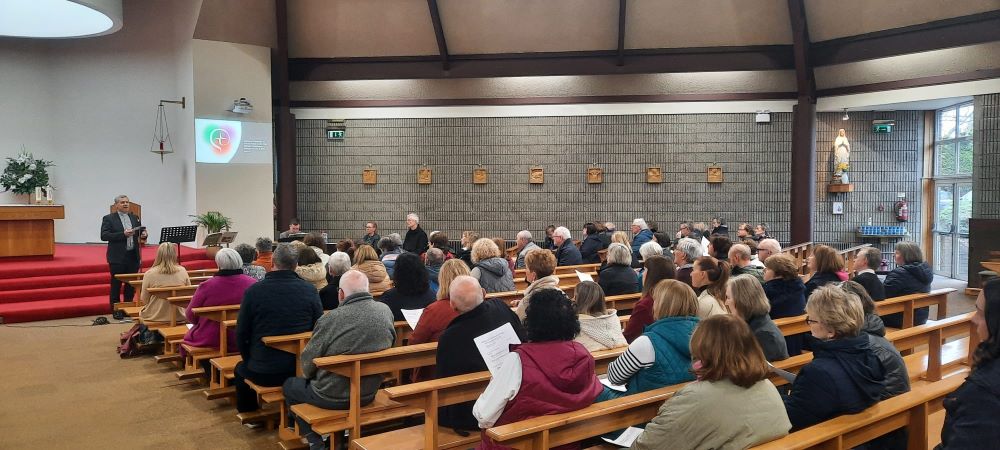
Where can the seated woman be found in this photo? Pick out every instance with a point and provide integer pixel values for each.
(248, 254)
(658, 268)
(538, 267)
(311, 268)
(647, 250)
(437, 315)
(338, 265)
(746, 300)
(226, 287)
(551, 325)
(845, 376)
(317, 243)
(661, 356)
(490, 268)
(970, 411)
(825, 265)
(710, 276)
(600, 328)
(591, 244)
(411, 288)
(897, 379)
(366, 261)
(465, 253)
(617, 276)
(912, 275)
(347, 246)
(391, 247)
(732, 389)
(165, 272)
(786, 293)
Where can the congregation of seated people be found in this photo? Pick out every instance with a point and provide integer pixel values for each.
(705, 315)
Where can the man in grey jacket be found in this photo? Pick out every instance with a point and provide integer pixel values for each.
(526, 245)
(358, 325)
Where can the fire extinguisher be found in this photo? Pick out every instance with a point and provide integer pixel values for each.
(902, 210)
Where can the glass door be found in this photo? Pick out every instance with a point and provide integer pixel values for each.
(952, 207)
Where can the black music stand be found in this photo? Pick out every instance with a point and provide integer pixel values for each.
(293, 237)
(178, 235)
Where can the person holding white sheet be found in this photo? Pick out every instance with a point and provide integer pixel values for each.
(457, 353)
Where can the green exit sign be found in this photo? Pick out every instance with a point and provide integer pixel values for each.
(335, 134)
(882, 128)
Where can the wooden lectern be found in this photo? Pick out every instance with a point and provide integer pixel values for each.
(136, 210)
(29, 230)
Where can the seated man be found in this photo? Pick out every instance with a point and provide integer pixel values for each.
(567, 253)
(358, 325)
(293, 228)
(739, 257)
(281, 303)
(525, 244)
(767, 248)
(457, 353)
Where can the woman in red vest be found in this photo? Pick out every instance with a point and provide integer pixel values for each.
(550, 374)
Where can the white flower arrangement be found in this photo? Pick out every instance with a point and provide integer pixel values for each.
(24, 173)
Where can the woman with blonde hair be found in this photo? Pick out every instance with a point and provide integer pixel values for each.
(366, 261)
(465, 253)
(437, 315)
(746, 300)
(825, 266)
(621, 237)
(600, 328)
(165, 272)
(732, 389)
(490, 268)
(710, 276)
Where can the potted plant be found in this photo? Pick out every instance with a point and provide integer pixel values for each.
(213, 222)
(24, 173)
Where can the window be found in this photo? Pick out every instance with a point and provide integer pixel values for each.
(953, 141)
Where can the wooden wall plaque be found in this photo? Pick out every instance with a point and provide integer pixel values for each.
(654, 174)
(424, 176)
(714, 174)
(595, 175)
(369, 176)
(479, 176)
(536, 175)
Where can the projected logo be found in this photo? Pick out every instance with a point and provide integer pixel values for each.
(218, 140)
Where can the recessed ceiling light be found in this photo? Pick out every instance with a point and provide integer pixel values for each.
(59, 18)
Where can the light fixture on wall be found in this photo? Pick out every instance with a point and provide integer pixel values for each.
(161, 133)
(845, 117)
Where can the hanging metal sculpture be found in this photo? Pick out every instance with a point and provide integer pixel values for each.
(161, 132)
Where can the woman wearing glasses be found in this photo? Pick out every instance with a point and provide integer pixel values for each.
(845, 376)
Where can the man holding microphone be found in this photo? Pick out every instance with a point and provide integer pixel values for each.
(122, 230)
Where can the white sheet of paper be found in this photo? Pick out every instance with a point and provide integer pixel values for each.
(190, 326)
(494, 345)
(584, 276)
(412, 316)
(614, 387)
(627, 438)
(704, 245)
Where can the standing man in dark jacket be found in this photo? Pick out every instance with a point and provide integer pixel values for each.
(911, 276)
(591, 244)
(457, 353)
(281, 303)
(865, 264)
(567, 254)
(416, 238)
(124, 252)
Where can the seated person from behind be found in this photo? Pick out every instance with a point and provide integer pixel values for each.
(281, 303)
(457, 352)
(165, 272)
(617, 277)
(248, 254)
(358, 325)
(411, 288)
(739, 260)
(264, 247)
(338, 265)
(293, 229)
(538, 267)
(310, 267)
(600, 328)
(746, 300)
(732, 389)
(657, 268)
(490, 268)
(433, 260)
(549, 374)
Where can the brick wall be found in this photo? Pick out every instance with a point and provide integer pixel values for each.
(986, 158)
(881, 166)
(755, 158)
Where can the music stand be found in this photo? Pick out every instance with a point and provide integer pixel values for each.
(293, 237)
(178, 235)
(217, 239)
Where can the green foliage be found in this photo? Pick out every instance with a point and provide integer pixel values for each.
(24, 173)
(213, 221)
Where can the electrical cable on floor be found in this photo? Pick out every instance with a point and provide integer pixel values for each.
(94, 323)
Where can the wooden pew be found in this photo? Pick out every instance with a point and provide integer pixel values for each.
(130, 277)
(566, 280)
(427, 396)
(905, 304)
(195, 355)
(561, 270)
(163, 292)
(801, 254)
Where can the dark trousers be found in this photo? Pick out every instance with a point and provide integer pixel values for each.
(246, 398)
(132, 266)
(298, 390)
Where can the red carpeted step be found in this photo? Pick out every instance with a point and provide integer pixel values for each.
(51, 281)
(32, 295)
(54, 309)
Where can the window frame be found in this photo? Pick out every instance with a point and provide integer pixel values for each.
(954, 143)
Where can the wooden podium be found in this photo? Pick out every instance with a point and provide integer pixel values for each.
(29, 230)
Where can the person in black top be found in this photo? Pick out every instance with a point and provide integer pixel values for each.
(416, 239)
(411, 286)
(865, 263)
(124, 252)
(338, 265)
(825, 265)
(591, 244)
(281, 303)
(719, 227)
(371, 236)
(912, 275)
(549, 244)
(457, 353)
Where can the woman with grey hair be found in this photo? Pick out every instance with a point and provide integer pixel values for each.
(338, 265)
(248, 254)
(617, 277)
(391, 247)
(912, 275)
(685, 253)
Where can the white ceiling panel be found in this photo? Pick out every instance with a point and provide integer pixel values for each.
(354, 28)
(706, 23)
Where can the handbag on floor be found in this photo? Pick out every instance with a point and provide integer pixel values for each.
(138, 340)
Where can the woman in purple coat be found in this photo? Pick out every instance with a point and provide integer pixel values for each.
(225, 288)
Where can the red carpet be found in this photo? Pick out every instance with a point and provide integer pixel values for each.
(73, 284)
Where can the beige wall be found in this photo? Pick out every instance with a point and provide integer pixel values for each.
(223, 72)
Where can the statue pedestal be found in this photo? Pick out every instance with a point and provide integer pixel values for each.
(840, 187)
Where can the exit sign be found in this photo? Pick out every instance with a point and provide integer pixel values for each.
(337, 135)
(882, 128)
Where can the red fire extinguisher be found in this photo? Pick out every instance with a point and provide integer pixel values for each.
(902, 210)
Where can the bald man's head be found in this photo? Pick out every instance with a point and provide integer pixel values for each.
(353, 282)
(465, 294)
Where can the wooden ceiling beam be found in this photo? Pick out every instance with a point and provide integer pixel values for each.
(804, 78)
(621, 32)
(432, 5)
